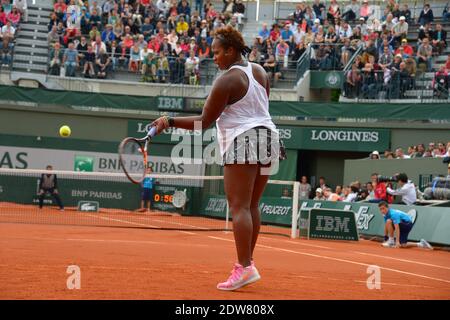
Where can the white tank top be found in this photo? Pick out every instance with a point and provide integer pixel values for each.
(249, 112)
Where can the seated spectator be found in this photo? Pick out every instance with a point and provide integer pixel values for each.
(192, 68)
(270, 65)
(275, 33)
(345, 32)
(264, 32)
(60, 5)
(425, 54)
(439, 39)
(204, 50)
(102, 64)
(440, 83)
(238, 10)
(287, 35)
(310, 16)
(22, 7)
(7, 34)
(298, 51)
(135, 59)
(85, 23)
(108, 35)
(94, 33)
(299, 13)
(162, 71)
(351, 11)
(141, 43)
(375, 155)
(365, 11)
(352, 196)
(389, 22)
(334, 11)
(386, 59)
(405, 50)
(400, 30)
(331, 36)
(282, 53)
(255, 55)
(319, 195)
(56, 58)
(14, 17)
(2, 16)
(352, 82)
(53, 36)
(420, 151)
(149, 67)
(329, 195)
(70, 60)
(426, 15)
(447, 63)
(89, 62)
(399, 154)
(405, 12)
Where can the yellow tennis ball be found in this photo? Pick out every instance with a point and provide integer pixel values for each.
(64, 131)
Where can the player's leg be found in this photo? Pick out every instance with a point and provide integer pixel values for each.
(239, 180)
(258, 189)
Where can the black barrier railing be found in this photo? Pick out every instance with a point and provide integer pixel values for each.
(392, 84)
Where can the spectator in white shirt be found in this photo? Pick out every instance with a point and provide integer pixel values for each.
(305, 189)
(399, 154)
(405, 188)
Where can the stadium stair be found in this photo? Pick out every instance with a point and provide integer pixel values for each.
(31, 51)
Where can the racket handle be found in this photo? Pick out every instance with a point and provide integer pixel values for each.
(152, 132)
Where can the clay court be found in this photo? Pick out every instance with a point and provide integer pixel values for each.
(139, 263)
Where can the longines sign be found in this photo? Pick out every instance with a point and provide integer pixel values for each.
(308, 138)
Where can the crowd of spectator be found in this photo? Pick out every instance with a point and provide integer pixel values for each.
(433, 150)
(11, 14)
(163, 40)
(378, 189)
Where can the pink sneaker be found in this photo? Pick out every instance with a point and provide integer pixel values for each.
(240, 277)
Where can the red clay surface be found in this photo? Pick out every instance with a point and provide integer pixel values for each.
(130, 263)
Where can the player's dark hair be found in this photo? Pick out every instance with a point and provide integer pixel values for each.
(230, 37)
(383, 204)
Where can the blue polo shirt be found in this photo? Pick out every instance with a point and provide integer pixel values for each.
(147, 183)
(397, 216)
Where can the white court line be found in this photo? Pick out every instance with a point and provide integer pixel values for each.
(119, 241)
(123, 221)
(298, 243)
(403, 260)
(138, 224)
(344, 260)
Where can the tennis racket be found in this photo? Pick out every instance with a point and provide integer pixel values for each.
(133, 156)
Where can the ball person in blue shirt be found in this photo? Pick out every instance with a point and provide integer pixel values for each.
(398, 222)
(147, 191)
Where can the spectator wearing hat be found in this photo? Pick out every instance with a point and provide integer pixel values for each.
(375, 155)
(400, 30)
(315, 26)
(406, 50)
(319, 195)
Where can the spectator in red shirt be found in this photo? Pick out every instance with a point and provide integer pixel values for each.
(407, 49)
(60, 4)
(379, 189)
(275, 33)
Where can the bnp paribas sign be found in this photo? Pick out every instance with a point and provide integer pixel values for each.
(336, 139)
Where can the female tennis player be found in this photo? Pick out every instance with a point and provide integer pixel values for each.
(248, 142)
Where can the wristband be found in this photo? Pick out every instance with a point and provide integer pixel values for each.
(170, 121)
